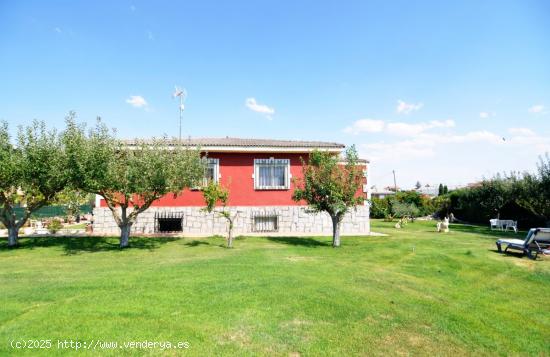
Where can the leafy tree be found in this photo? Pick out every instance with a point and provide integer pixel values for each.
(331, 187)
(422, 202)
(493, 194)
(440, 190)
(445, 190)
(380, 208)
(385, 208)
(442, 205)
(32, 173)
(521, 196)
(404, 210)
(213, 194)
(72, 199)
(426, 205)
(409, 197)
(129, 177)
(533, 191)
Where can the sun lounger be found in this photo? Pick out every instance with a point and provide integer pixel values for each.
(537, 239)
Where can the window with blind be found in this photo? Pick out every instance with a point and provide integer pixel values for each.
(271, 174)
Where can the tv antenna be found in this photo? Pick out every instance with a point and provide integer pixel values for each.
(181, 93)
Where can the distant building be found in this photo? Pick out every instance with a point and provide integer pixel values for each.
(431, 191)
(374, 192)
(474, 184)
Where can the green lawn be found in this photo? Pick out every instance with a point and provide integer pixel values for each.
(75, 226)
(413, 292)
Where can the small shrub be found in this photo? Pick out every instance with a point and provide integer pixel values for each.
(402, 210)
(55, 226)
(404, 203)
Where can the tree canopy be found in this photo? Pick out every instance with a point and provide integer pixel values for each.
(130, 176)
(520, 196)
(32, 172)
(328, 185)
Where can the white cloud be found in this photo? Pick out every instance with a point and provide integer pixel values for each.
(486, 115)
(526, 140)
(536, 109)
(406, 129)
(137, 101)
(396, 152)
(407, 108)
(365, 126)
(453, 158)
(424, 145)
(482, 136)
(259, 108)
(395, 128)
(521, 131)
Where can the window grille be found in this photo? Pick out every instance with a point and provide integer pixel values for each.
(271, 174)
(265, 222)
(168, 222)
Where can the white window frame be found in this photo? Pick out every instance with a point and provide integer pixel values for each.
(217, 176)
(271, 161)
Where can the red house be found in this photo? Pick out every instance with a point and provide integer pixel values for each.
(259, 174)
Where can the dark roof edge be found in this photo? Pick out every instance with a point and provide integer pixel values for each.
(244, 142)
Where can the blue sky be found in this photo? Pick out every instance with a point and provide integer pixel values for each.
(440, 91)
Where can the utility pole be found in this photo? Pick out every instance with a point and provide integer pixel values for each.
(394, 182)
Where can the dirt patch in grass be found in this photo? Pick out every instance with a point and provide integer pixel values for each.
(295, 323)
(298, 258)
(407, 343)
(238, 336)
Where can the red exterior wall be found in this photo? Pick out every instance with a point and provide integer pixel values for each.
(236, 171)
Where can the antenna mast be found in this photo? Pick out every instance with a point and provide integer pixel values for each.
(181, 93)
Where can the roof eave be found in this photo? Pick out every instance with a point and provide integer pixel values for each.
(269, 149)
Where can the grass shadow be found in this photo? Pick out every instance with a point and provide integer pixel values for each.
(511, 254)
(77, 245)
(516, 254)
(196, 243)
(300, 241)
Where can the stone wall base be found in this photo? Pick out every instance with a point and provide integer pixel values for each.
(294, 220)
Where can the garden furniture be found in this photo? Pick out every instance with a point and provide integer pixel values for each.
(536, 240)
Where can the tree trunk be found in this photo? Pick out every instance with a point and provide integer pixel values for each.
(125, 234)
(335, 231)
(13, 235)
(230, 234)
(230, 239)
